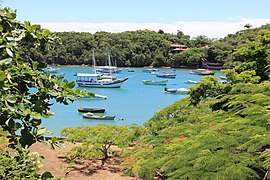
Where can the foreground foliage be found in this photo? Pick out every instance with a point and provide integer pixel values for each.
(227, 143)
(26, 92)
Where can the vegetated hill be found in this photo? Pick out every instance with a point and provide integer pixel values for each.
(144, 48)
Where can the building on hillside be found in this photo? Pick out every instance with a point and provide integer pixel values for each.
(177, 48)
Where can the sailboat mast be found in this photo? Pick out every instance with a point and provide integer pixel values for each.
(109, 60)
(94, 61)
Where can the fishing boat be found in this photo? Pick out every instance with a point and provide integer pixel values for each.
(95, 81)
(202, 72)
(166, 75)
(93, 116)
(155, 82)
(176, 90)
(92, 110)
(191, 82)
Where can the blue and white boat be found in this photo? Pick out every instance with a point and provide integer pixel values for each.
(94, 80)
(166, 75)
(150, 70)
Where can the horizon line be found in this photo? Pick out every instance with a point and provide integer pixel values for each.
(211, 29)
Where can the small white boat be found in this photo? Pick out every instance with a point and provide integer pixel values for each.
(155, 82)
(176, 90)
(191, 82)
(222, 77)
(154, 73)
(51, 69)
(96, 96)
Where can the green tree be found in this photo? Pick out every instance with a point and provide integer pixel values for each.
(257, 55)
(97, 140)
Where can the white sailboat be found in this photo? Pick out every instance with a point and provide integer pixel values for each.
(96, 80)
(108, 69)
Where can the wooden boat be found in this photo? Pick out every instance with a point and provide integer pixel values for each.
(202, 72)
(93, 116)
(92, 110)
(176, 90)
(166, 75)
(155, 82)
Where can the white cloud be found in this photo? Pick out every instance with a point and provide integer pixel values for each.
(212, 29)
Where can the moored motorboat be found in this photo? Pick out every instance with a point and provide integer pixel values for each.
(155, 82)
(176, 90)
(166, 75)
(149, 70)
(51, 69)
(93, 116)
(92, 110)
(92, 80)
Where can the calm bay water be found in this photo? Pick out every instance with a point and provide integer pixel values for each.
(134, 102)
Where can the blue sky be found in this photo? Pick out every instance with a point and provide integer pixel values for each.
(213, 18)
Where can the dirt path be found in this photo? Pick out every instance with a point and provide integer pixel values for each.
(55, 162)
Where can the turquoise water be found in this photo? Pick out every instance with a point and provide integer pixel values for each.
(134, 102)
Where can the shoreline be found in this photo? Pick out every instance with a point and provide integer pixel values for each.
(126, 67)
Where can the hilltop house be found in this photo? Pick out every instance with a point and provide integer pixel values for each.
(177, 48)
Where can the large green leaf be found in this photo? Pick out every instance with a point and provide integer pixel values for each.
(9, 52)
(5, 61)
(11, 99)
(3, 77)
